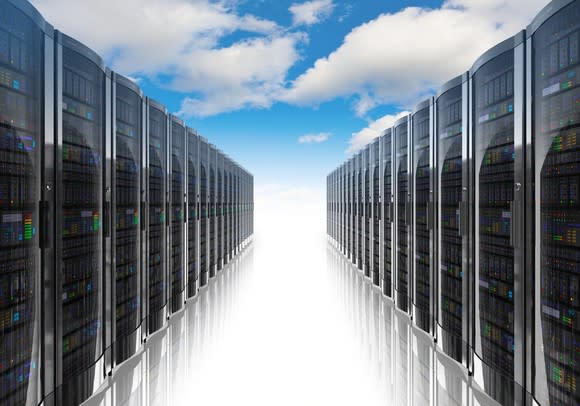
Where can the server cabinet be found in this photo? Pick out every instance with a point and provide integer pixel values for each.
(237, 209)
(219, 211)
(178, 218)
(157, 139)
(367, 211)
(359, 171)
(83, 205)
(423, 217)
(228, 209)
(403, 213)
(497, 85)
(192, 212)
(453, 197)
(127, 136)
(552, 193)
(343, 208)
(212, 210)
(204, 211)
(388, 207)
(225, 209)
(26, 204)
(375, 172)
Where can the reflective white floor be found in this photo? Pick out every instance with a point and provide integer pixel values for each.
(289, 322)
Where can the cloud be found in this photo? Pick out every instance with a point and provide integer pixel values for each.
(311, 12)
(313, 138)
(180, 40)
(402, 57)
(372, 131)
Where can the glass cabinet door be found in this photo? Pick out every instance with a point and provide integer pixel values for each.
(192, 173)
(376, 213)
(556, 93)
(402, 165)
(178, 214)
(494, 156)
(422, 233)
(21, 140)
(157, 217)
(203, 215)
(388, 213)
(127, 225)
(450, 172)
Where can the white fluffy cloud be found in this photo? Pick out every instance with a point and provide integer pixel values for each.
(180, 39)
(374, 129)
(313, 138)
(400, 58)
(311, 12)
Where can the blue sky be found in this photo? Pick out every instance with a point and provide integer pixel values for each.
(253, 76)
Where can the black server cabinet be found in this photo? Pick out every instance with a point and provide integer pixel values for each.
(554, 210)
(367, 212)
(388, 212)
(352, 210)
(192, 213)
(453, 197)
(343, 208)
(360, 211)
(178, 220)
(497, 126)
(157, 139)
(375, 173)
(228, 209)
(203, 212)
(237, 197)
(127, 137)
(219, 210)
(423, 217)
(26, 184)
(83, 224)
(403, 210)
(212, 209)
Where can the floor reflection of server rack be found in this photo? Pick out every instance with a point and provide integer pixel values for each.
(157, 140)
(423, 219)
(403, 213)
(497, 86)
(203, 213)
(192, 213)
(553, 120)
(375, 203)
(453, 219)
(26, 203)
(387, 228)
(177, 213)
(83, 218)
(127, 184)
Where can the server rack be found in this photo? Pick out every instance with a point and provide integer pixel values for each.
(552, 210)
(178, 219)
(423, 201)
(83, 203)
(192, 213)
(453, 219)
(366, 232)
(157, 140)
(360, 211)
(212, 210)
(388, 207)
(237, 209)
(128, 124)
(219, 210)
(228, 209)
(204, 211)
(27, 204)
(403, 212)
(375, 173)
(353, 209)
(497, 91)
